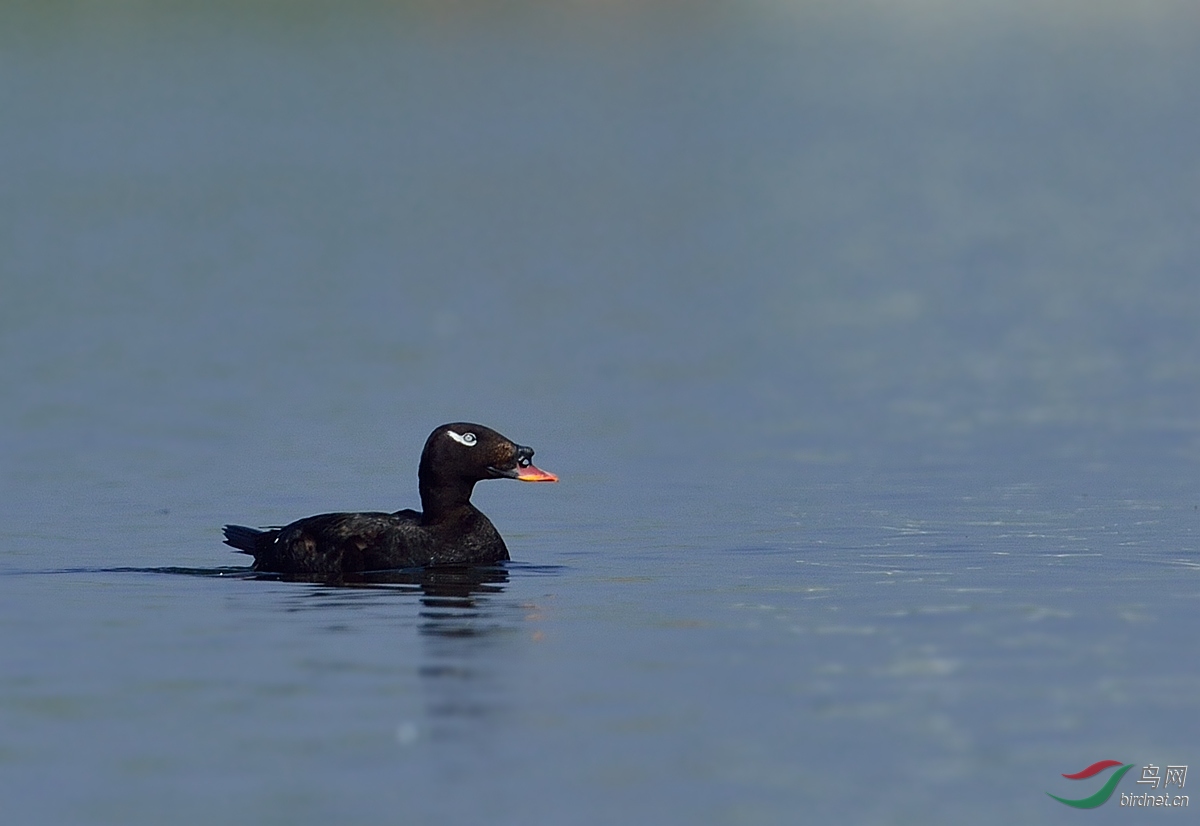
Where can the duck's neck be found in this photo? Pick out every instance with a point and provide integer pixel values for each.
(443, 499)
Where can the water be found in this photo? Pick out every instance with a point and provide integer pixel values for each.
(863, 342)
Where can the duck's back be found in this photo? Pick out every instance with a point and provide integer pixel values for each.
(335, 543)
(339, 542)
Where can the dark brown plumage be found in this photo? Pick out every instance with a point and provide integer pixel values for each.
(449, 530)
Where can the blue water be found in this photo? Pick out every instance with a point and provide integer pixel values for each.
(863, 341)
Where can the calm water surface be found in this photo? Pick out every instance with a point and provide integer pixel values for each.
(865, 347)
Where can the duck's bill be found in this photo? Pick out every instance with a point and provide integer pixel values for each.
(532, 474)
(529, 473)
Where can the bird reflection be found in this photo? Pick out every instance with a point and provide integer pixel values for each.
(453, 598)
(471, 634)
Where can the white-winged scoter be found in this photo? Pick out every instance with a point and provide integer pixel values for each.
(449, 530)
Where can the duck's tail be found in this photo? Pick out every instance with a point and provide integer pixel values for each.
(246, 540)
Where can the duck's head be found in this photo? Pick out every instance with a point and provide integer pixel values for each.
(471, 453)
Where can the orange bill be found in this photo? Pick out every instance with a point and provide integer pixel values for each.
(533, 474)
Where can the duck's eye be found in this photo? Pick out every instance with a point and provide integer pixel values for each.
(467, 439)
(524, 461)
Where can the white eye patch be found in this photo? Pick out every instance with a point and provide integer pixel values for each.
(467, 439)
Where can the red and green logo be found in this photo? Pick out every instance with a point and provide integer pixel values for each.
(1106, 791)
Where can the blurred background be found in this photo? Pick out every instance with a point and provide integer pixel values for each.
(863, 337)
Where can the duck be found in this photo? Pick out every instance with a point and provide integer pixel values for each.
(448, 530)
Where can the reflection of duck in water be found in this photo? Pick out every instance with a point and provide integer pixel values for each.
(448, 531)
